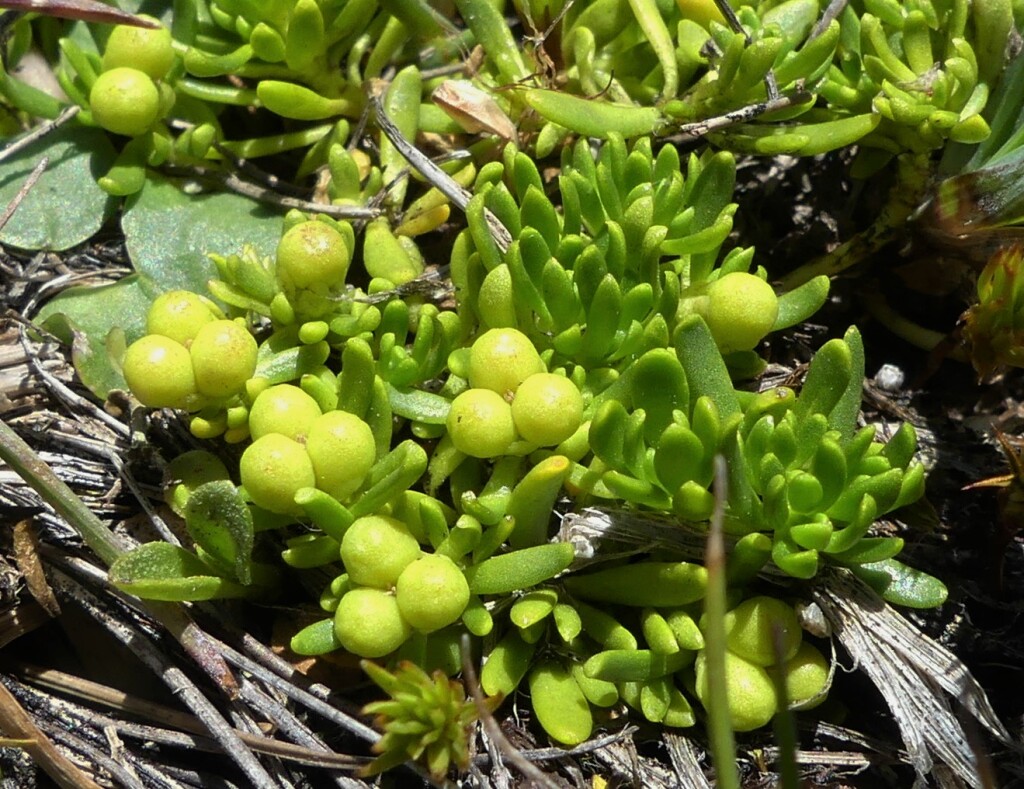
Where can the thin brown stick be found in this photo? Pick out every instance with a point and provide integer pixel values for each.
(85, 10)
(262, 194)
(17, 723)
(26, 187)
(698, 129)
(835, 8)
(437, 177)
(178, 682)
(534, 775)
(123, 702)
(40, 131)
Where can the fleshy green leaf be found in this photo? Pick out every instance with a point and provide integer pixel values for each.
(161, 571)
(843, 416)
(316, 639)
(902, 585)
(220, 523)
(802, 302)
(828, 379)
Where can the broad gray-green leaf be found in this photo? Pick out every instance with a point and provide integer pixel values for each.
(65, 207)
(169, 232)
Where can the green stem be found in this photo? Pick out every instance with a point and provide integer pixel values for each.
(653, 25)
(784, 725)
(217, 94)
(903, 327)
(723, 742)
(904, 199)
(41, 478)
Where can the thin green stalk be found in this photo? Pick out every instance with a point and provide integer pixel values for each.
(904, 328)
(653, 25)
(40, 477)
(784, 724)
(723, 742)
(905, 196)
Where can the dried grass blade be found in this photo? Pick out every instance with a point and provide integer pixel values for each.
(913, 673)
(17, 723)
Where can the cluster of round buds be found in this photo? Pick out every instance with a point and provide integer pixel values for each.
(511, 397)
(191, 356)
(126, 97)
(395, 588)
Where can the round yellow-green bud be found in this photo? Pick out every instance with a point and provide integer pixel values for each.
(149, 50)
(547, 409)
(223, 358)
(376, 549)
(750, 692)
(180, 314)
(501, 359)
(742, 309)
(432, 593)
(368, 623)
(806, 676)
(124, 101)
(312, 263)
(480, 423)
(283, 409)
(159, 373)
(751, 629)
(342, 448)
(273, 469)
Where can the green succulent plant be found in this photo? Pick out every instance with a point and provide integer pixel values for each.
(427, 717)
(598, 346)
(593, 357)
